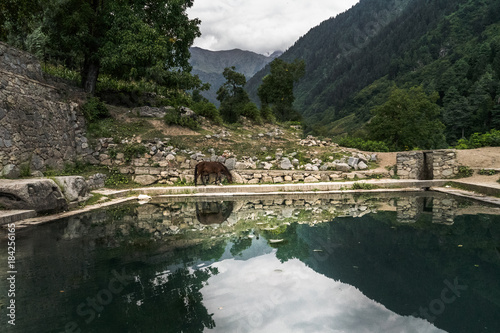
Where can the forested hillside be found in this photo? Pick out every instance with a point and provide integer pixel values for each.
(355, 60)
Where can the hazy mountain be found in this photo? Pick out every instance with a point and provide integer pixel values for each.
(209, 65)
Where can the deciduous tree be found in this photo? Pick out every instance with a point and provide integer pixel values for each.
(234, 99)
(127, 39)
(276, 90)
(409, 119)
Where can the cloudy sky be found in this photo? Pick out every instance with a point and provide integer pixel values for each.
(261, 26)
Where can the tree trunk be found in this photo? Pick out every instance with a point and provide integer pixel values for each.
(89, 75)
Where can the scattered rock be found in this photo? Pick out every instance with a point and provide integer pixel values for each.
(286, 164)
(343, 167)
(362, 166)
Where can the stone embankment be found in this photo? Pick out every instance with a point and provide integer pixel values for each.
(39, 127)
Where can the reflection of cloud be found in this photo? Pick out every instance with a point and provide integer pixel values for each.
(260, 25)
(263, 295)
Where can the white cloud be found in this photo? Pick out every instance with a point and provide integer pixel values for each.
(262, 26)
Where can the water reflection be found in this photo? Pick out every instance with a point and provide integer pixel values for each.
(264, 295)
(354, 263)
(213, 212)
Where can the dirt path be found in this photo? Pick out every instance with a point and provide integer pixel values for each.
(480, 158)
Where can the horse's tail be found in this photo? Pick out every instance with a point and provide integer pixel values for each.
(227, 173)
(195, 174)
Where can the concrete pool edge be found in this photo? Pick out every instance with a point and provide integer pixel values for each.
(470, 191)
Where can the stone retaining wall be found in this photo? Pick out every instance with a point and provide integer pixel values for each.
(39, 128)
(158, 175)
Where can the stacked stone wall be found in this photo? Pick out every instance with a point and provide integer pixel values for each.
(39, 127)
(410, 165)
(445, 164)
(436, 164)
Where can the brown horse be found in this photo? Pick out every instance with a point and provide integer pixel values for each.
(204, 169)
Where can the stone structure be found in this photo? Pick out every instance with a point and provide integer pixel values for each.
(425, 165)
(444, 164)
(39, 128)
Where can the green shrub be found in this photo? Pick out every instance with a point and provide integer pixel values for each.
(133, 150)
(94, 109)
(25, 170)
(208, 110)
(366, 145)
(478, 140)
(267, 113)
(62, 72)
(76, 167)
(174, 118)
(251, 111)
(489, 172)
(464, 171)
(116, 179)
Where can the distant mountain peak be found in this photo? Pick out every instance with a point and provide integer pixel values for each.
(275, 54)
(209, 66)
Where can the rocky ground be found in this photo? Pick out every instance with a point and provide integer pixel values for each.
(251, 140)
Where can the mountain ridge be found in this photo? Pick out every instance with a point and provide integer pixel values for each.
(209, 65)
(355, 59)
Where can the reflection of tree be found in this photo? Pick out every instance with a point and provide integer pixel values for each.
(292, 246)
(403, 266)
(240, 245)
(213, 212)
(164, 303)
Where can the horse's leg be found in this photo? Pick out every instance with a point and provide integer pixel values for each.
(195, 173)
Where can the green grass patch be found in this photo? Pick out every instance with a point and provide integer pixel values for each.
(95, 198)
(363, 186)
(111, 128)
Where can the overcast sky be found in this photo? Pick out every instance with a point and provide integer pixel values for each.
(261, 26)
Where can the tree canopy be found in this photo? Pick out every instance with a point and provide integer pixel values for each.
(126, 39)
(409, 119)
(234, 99)
(276, 90)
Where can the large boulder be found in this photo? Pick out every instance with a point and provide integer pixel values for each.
(40, 195)
(74, 188)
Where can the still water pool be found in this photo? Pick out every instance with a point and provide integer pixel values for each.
(319, 263)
